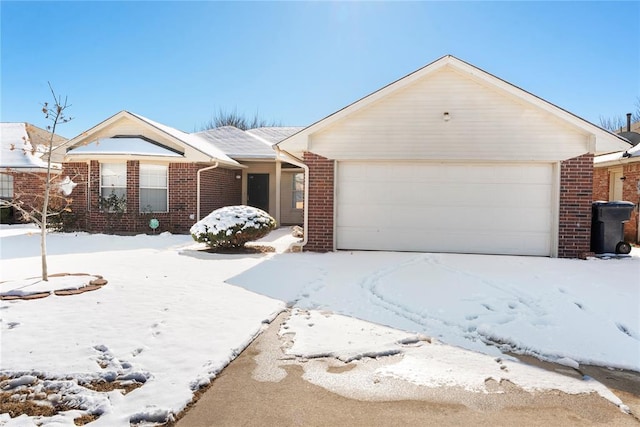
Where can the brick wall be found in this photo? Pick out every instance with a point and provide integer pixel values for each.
(601, 184)
(218, 188)
(78, 172)
(28, 191)
(631, 173)
(576, 195)
(321, 189)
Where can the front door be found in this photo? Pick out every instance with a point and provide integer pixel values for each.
(258, 190)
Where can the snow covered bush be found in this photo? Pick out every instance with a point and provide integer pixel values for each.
(232, 227)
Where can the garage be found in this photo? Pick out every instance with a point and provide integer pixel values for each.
(495, 208)
(450, 158)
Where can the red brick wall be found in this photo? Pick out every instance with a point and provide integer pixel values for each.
(321, 189)
(78, 172)
(219, 188)
(576, 195)
(28, 191)
(601, 184)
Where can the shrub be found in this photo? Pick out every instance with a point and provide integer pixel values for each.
(232, 227)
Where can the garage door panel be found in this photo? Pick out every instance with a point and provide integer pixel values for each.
(476, 208)
(443, 241)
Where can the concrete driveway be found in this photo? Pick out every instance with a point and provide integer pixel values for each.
(265, 387)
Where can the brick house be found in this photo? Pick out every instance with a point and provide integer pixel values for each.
(130, 169)
(450, 159)
(23, 168)
(616, 176)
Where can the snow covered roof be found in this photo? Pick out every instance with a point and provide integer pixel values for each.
(273, 135)
(237, 143)
(131, 146)
(16, 149)
(193, 140)
(631, 153)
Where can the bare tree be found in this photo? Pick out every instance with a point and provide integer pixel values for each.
(619, 123)
(39, 212)
(233, 118)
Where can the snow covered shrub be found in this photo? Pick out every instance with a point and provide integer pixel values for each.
(232, 227)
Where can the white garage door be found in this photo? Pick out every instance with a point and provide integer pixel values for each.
(442, 207)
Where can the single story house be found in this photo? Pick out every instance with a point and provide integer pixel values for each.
(450, 158)
(130, 169)
(23, 165)
(616, 176)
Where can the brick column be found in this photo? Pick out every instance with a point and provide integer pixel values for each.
(576, 195)
(320, 203)
(79, 173)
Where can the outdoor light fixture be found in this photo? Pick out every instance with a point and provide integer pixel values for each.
(446, 116)
(238, 176)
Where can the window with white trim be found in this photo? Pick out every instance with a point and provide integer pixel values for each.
(154, 192)
(6, 186)
(113, 180)
(297, 198)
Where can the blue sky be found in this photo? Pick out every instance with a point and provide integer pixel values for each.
(296, 62)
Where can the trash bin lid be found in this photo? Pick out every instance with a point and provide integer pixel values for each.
(614, 204)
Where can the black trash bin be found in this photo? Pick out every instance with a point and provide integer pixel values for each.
(607, 227)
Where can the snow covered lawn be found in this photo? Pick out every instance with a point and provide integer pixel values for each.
(171, 317)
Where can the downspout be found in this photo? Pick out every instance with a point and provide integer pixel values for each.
(198, 188)
(305, 222)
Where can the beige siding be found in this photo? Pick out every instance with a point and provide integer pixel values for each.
(288, 214)
(484, 124)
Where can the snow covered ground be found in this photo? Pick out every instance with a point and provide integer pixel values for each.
(171, 317)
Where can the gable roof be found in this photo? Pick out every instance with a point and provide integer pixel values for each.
(631, 155)
(602, 140)
(182, 138)
(237, 143)
(273, 135)
(254, 143)
(124, 145)
(17, 142)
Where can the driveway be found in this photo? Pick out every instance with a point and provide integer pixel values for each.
(253, 391)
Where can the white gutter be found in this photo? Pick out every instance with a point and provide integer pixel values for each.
(198, 188)
(305, 225)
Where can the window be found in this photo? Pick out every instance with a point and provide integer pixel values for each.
(6, 186)
(298, 191)
(113, 184)
(153, 188)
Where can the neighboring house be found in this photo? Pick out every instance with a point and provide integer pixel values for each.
(159, 172)
(616, 176)
(451, 159)
(23, 166)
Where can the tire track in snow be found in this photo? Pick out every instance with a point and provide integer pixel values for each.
(371, 283)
